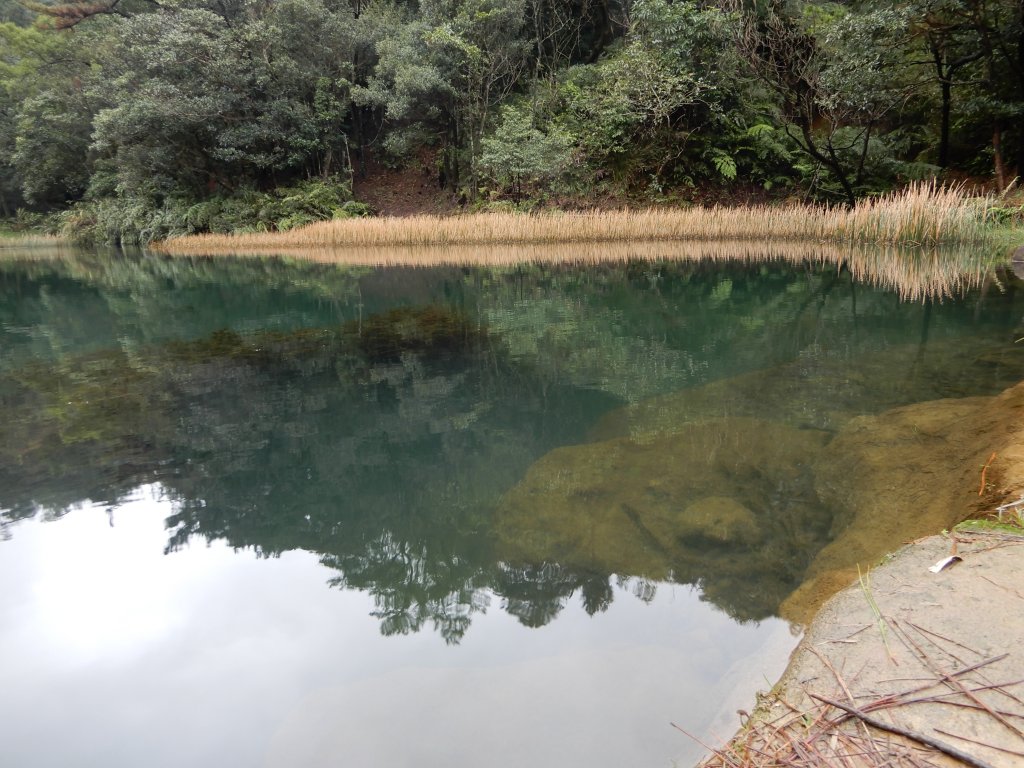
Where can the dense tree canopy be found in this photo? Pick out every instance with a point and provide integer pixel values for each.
(162, 106)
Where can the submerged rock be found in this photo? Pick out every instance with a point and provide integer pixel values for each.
(719, 519)
(656, 508)
(824, 390)
(763, 516)
(908, 473)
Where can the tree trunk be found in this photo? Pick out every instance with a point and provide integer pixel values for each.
(863, 155)
(348, 165)
(1020, 85)
(997, 156)
(946, 89)
(840, 172)
(830, 161)
(944, 123)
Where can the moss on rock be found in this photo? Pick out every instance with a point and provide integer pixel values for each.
(656, 508)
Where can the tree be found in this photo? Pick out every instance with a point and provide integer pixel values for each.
(443, 74)
(15, 12)
(651, 108)
(979, 44)
(951, 45)
(45, 115)
(999, 26)
(835, 75)
(518, 151)
(198, 101)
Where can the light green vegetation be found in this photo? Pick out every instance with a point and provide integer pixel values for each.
(1007, 518)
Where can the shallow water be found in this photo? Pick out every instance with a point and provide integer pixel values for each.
(282, 512)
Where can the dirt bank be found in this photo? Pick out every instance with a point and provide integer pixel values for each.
(936, 655)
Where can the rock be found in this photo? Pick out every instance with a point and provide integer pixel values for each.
(908, 473)
(719, 519)
(1017, 262)
(655, 508)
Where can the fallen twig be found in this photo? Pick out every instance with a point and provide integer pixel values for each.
(953, 681)
(980, 743)
(920, 738)
(981, 490)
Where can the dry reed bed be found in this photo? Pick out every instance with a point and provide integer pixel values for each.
(921, 214)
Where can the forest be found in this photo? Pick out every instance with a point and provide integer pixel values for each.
(133, 120)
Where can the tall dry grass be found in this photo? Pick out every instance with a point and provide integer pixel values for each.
(921, 214)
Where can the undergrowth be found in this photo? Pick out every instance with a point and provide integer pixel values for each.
(140, 220)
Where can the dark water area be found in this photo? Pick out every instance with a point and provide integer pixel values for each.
(273, 512)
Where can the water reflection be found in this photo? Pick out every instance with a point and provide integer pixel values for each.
(913, 274)
(408, 426)
(212, 658)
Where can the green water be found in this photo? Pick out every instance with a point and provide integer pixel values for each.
(236, 449)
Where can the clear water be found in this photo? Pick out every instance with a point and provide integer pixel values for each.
(271, 512)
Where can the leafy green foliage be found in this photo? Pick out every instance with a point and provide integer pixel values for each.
(137, 220)
(171, 105)
(519, 154)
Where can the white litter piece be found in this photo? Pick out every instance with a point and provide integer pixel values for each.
(945, 563)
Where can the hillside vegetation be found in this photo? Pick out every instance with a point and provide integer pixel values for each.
(133, 120)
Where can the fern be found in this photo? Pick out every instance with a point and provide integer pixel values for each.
(724, 164)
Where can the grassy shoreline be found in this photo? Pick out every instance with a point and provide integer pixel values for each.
(919, 215)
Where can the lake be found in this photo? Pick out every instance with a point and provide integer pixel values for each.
(286, 511)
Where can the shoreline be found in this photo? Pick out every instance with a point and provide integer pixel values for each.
(904, 649)
(873, 620)
(919, 215)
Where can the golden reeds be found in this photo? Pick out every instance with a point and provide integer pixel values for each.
(921, 214)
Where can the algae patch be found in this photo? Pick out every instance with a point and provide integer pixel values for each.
(908, 473)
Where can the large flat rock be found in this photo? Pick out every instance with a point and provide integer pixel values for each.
(935, 654)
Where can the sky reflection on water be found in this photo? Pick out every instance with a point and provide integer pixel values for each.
(210, 657)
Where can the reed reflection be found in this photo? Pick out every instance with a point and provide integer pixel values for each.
(914, 274)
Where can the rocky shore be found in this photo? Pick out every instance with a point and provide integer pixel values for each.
(906, 667)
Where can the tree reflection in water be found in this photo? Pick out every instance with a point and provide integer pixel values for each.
(397, 442)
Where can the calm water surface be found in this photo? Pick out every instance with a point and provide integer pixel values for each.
(284, 513)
